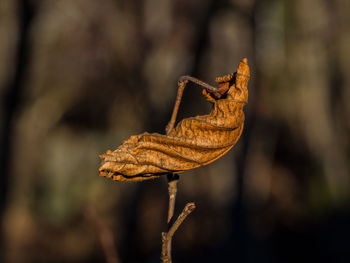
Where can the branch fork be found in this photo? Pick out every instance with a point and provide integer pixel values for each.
(167, 236)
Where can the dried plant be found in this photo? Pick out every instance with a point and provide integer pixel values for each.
(194, 142)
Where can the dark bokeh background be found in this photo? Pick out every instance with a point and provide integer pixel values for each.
(79, 77)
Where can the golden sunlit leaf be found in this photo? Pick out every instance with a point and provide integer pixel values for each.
(195, 141)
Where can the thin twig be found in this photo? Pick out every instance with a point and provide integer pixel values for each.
(208, 87)
(183, 80)
(167, 236)
(174, 178)
(180, 91)
(172, 190)
(185, 212)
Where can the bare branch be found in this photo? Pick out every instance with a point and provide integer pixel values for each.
(167, 236)
(185, 212)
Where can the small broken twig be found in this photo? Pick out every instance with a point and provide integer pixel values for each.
(185, 212)
(167, 236)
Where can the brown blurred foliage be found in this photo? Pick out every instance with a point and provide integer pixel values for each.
(78, 77)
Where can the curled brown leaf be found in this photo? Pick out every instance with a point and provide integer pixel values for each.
(195, 141)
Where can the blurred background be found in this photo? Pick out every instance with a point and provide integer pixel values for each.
(79, 77)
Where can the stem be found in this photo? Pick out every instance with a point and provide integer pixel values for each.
(180, 91)
(172, 190)
(167, 236)
(174, 178)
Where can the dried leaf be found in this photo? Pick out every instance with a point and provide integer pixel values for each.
(194, 142)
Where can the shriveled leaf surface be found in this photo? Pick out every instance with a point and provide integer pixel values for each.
(194, 142)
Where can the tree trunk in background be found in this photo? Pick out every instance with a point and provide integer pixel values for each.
(15, 23)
